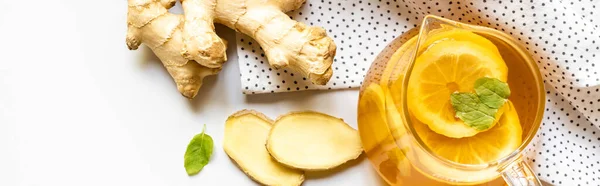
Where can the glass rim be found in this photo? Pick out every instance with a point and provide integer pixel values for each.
(539, 85)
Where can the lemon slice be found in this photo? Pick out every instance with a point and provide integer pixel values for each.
(484, 147)
(372, 120)
(446, 67)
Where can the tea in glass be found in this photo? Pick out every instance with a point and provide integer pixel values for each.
(450, 104)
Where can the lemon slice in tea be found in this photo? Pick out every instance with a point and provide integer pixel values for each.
(447, 67)
(372, 120)
(488, 146)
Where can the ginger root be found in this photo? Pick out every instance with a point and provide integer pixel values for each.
(190, 49)
(313, 141)
(246, 133)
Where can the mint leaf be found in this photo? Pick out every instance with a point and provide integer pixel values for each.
(492, 92)
(198, 153)
(478, 110)
(469, 108)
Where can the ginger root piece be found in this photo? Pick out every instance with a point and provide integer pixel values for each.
(189, 48)
(187, 45)
(246, 133)
(286, 42)
(313, 141)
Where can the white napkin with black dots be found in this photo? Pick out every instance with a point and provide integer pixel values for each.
(563, 36)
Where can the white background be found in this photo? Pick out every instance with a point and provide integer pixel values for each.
(78, 108)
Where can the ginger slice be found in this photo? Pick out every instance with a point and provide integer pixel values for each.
(246, 133)
(313, 141)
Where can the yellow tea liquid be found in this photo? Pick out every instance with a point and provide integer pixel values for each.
(379, 122)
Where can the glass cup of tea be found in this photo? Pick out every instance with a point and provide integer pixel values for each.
(450, 103)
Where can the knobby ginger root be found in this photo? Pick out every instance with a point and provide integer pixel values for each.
(186, 44)
(189, 48)
(244, 142)
(313, 141)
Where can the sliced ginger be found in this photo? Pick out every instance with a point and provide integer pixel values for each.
(276, 152)
(190, 49)
(246, 133)
(313, 141)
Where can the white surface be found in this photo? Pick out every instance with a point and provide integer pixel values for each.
(78, 108)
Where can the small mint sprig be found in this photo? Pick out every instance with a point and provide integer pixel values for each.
(198, 153)
(478, 110)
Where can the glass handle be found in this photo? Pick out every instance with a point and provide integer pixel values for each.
(520, 174)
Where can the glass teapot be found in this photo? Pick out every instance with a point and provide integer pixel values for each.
(395, 142)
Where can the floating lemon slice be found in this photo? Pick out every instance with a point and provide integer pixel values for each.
(446, 67)
(371, 114)
(484, 147)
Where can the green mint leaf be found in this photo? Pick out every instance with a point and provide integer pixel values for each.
(469, 108)
(492, 92)
(198, 153)
(478, 110)
(464, 102)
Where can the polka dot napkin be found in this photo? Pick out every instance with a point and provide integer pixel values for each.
(562, 36)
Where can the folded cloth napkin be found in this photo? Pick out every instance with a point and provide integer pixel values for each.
(563, 36)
